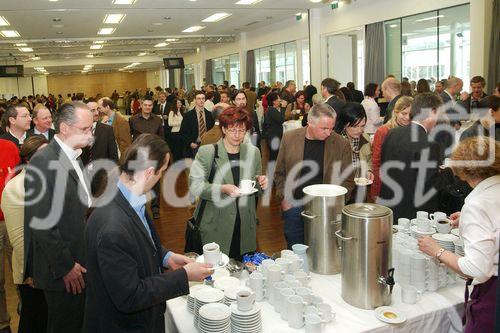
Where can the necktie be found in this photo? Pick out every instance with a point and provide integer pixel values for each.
(202, 128)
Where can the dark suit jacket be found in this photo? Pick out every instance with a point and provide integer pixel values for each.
(400, 147)
(51, 133)
(126, 287)
(189, 128)
(467, 103)
(51, 252)
(11, 138)
(273, 123)
(390, 107)
(104, 145)
(335, 103)
(157, 111)
(357, 96)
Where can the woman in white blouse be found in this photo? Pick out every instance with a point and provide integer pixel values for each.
(478, 164)
(174, 121)
(373, 119)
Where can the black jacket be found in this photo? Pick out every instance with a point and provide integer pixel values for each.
(335, 103)
(11, 138)
(104, 145)
(51, 133)
(273, 123)
(400, 147)
(357, 96)
(126, 287)
(390, 107)
(52, 249)
(189, 127)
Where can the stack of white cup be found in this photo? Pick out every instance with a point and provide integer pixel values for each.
(419, 271)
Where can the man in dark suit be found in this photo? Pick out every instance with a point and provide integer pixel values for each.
(56, 207)
(357, 95)
(18, 118)
(195, 124)
(453, 112)
(471, 101)
(410, 161)
(329, 89)
(391, 89)
(162, 108)
(103, 147)
(42, 118)
(127, 285)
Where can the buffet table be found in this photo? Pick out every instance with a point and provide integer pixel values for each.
(439, 311)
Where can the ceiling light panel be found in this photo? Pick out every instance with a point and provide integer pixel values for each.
(161, 44)
(106, 31)
(194, 28)
(3, 22)
(99, 42)
(216, 17)
(123, 2)
(25, 49)
(10, 33)
(247, 2)
(114, 18)
(171, 40)
(96, 47)
(20, 44)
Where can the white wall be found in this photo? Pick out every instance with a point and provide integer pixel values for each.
(23, 86)
(153, 78)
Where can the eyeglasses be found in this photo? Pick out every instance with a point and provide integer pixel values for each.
(84, 130)
(234, 131)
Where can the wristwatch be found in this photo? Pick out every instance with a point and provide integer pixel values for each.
(439, 253)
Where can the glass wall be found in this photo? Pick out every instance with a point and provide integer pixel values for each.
(226, 68)
(277, 63)
(433, 44)
(306, 67)
(189, 79)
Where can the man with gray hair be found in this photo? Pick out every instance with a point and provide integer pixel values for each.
(314, 154)
(42, 118)
(391, 89)
(57, 200)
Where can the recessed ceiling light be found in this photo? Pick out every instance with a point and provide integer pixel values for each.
(96, 47)
(58, 26)
(142, 54)
(171, 40)
(20, 44)
(39, 68)
(114, 18)
(35, 58)
(393, 26)
(136, 63)
(89, 56)
(161, 44)
(216, 17)
(53, 0)
(247, 2)
(194, 28)
(315, 1)
(157, 24)
(10, 33)
(106, 31)
(99, 41)
(123, 2)
(3, 21)
(25, 49)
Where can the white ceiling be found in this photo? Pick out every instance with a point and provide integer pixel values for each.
(65, 29)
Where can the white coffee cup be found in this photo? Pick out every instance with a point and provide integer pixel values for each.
(212, 254)
(277, 288)
(404, 222)
(302, 277)
(313, 323)
(422, 215)
(311, 309)
(245, 300)
(424, 224)
(247, 185)
(287, 253)
(256, 283)
(443, 226)
(410, 294)
(305, 293)
(325, 311)
(285, 293)
(436, 216)
(284, 263)
(295, 264)
(295, 309)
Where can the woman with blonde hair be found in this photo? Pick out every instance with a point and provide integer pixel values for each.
(475, 160)
(400, 117)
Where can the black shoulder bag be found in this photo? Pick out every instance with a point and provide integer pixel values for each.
(192, 235)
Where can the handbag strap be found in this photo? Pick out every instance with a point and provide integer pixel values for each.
(203, 203)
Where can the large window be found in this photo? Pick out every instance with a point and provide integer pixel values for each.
(433, 44)
(306, 67)
(226, 68)
(276, 63)
(189, 77)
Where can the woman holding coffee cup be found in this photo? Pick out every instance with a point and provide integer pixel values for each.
(478, 164)
(229, 218)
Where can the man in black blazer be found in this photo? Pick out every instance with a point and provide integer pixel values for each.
(329, 89)
(18, 120)
(103, 147)
(357, 95)
(391, 89)
(190, 126)
(413, 181)
(57, 200)
(42, 119)
(126, 283)
(162, 108)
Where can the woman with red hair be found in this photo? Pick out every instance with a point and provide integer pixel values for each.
(229, 217)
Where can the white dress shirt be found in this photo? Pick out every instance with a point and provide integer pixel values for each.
(373, 119)
(45, 134)
(73, 155)
(175, 121)
(480, 229)
(209, 105)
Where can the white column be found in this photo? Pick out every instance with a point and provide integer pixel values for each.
(203, 59)
(299, 65)
(243, 58)
(314, 19)
(480, 31)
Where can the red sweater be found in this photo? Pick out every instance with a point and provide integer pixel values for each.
(9, 159)
(378, 141)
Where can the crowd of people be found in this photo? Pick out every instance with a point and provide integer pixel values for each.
(85, 252)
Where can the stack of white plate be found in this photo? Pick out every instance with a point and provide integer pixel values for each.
(190, 296)
(446, 241)
(214, 318)
(459, 247)
(246, 321)
(417, 233)
(226, 282)
(230, 293)
(455, 232)
(206, 296)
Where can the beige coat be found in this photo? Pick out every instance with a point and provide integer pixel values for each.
(121, 129)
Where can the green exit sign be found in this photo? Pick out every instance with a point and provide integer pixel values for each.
(335, 4)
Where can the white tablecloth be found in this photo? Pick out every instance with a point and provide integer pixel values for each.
(439, 311)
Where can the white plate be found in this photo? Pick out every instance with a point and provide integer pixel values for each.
(252, 191)
(235, 311)
(447, 238)
(455, 232)
(231, 292)
(197, 287)
(417, 231)
(362, 181)
(220, 273)
(226, 283)
(210, 295)
(380, 311)
(215, 312)
(223, 263)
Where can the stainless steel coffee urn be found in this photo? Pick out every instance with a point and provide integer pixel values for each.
(367, 273)
(322, 218)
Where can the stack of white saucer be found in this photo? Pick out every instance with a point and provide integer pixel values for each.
(203, 297)
(246, 321)
(214, 318)
(190, 296)
(446, 241)
(459, 247)
(230, 294)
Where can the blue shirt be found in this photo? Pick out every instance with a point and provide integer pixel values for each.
(138, 203)
(111, 118)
